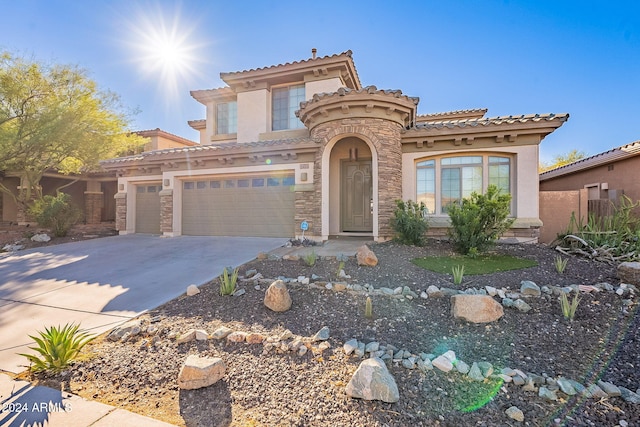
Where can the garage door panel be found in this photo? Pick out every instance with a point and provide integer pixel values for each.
(148, 209)
(239, 210)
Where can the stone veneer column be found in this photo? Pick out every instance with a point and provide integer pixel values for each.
(121, 211)
(385, 137)
(93, 205)
(166, 211)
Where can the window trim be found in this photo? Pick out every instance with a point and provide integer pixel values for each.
(485, 164)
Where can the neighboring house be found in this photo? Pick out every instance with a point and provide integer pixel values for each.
(305, 142)
(92, 192)
(587, 187)
(616, 170)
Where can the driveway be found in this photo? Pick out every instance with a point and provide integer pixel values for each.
(101, 283)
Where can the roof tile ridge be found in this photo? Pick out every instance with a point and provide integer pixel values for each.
(347, 53)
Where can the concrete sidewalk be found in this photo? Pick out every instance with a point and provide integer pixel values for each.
(23, 405)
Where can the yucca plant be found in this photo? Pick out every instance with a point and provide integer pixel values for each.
(458, 273)
(569, 308)
(228, 283)
(560, 263)
(57, 347)
(368, 308)
(310, 258)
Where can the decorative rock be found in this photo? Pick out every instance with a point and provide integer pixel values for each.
(365, 256)
(424, 295)
(350, 346)
(515, 413)
(239, 292)
(198, 372)
(547, 394)
(372, 381)
(339, 287)
(321, 335)
(434, 292)
(451, 355)
(609, 388)
(475, 373)
(462, 367)
(359, 352)
(486, 368)
(476, 308)
(629, 272)
(250, 273)
(629, 396)
(566, 386)
(323, 346)
(254, 338)
(11, 248)
(521, 305)
(328, 286)
(409, 363)
(442, 363)
(221, 333)
(518, 380)
(508, 302)
(277, 297)
(132, 328)
(593, 391)
(529, 386)
(40, 237)
(302, 350)
(491, 290)
(527, 287)
(372, 346)
(201, 335)
(424, 365)
(237, 336)
(189, 336)
(192, 290)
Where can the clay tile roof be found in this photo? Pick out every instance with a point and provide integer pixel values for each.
(345, 91)
(211, 148)
(347, 53)
(457, 114)
(618, 153)
(490, 121)
(159, 132)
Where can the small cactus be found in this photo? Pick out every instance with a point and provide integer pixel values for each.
(368, 309)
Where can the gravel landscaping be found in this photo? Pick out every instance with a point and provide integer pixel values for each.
(291, 380)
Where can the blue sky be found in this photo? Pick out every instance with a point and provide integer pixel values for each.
(512, 57)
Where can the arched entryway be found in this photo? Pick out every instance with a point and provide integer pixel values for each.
(351, 188)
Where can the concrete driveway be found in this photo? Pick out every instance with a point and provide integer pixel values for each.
(101, 283)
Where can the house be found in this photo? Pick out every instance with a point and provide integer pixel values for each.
(92, 192)
(305, 143)
(588, 186)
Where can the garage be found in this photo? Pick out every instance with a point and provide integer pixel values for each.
(255, 205)
(148, 208)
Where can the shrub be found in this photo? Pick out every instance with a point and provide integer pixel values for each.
(57, 347)
(479, 220)
(409, 222)
(228, 283)
(569, 308)
(56, 212)
(458, 273)
(310, 258)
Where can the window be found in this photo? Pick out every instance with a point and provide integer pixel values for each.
(285, 102)
(273, 182)
(227, 118)
(243, 183)
(201, 185)
(440, 182)
(189, 185)
(214, 184)
(257, 182)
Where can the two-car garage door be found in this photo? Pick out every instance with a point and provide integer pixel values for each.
(255, 205)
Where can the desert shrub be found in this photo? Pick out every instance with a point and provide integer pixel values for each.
(409, 222)
(479, 220)
(228, 283)
(458, 274)
(310, 258)
(57, 347)
(569, 308)
(56, 212)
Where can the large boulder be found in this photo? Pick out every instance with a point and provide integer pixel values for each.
(198, 372)
(277, 297)
(476, 308)
(365, 256)
(372, 381)
(629, 272)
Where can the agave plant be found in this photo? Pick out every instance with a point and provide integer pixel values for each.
(228, 283)
(57, 347)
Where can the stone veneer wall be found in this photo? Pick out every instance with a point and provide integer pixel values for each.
(166, 211)
(93, 204)
(385, 136)
(121, 211)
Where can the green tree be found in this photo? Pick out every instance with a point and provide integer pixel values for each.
(562, 159)
(54, 117)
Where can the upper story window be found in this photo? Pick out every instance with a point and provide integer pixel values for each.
(286, 100)
(227, 118)
(440, 182)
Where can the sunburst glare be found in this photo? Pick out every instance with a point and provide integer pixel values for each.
(165, 50)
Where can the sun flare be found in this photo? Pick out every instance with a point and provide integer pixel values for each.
(164, 50)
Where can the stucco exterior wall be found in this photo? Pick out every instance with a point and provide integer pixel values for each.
(321, 86)
(254, 114)
(556, 208)
(620, 175)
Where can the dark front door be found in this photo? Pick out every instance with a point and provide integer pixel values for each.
(356, 196)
